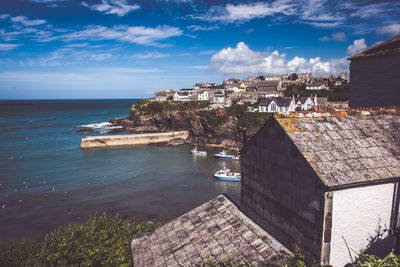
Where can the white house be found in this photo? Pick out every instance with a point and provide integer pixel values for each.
(315, 86)
(183, 95)
(305, 102)
(276, 104)
(203, 95)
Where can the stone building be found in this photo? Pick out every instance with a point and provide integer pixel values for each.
(374, 76)
(217, 229)
(327, 181)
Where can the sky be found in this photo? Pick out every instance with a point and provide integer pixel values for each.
(74, 49)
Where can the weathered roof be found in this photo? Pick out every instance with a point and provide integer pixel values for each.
(302, 99)
(280, 101)
(216, 228)
(391, 46)
(350, 149)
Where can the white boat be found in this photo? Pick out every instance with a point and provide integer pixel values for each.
(224, 155)
(226, 175)
(196, 152)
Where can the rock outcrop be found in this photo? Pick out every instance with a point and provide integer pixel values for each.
(205, 126)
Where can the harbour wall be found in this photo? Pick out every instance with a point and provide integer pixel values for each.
(132, 139)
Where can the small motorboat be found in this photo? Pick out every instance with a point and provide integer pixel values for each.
(196, 152)
(227, 175)
(224, 155)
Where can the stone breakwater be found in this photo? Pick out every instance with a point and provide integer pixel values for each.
(132, 139)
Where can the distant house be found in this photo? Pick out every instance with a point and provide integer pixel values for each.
(330, 183)
(186, 94)
(315, 86)
(203, 95)
(374, 76)
(276, 104)
(305, 102)
(163, 95)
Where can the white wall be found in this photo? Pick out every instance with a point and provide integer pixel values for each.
(356, 214)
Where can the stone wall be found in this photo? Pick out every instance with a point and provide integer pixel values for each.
(280, 190)
(374, 81)
(131, 139)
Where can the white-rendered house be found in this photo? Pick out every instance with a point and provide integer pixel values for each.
(305, 102)
(330, 183)
(276, 104)
(203, 95)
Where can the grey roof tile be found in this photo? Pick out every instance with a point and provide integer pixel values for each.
(348, 149)
(216, 228)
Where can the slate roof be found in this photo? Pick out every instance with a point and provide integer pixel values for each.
(350, 149)
(216, 228)
(391, 46)
(302, 99)
(280, 101)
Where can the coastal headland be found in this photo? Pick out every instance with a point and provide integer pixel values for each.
(207, 126)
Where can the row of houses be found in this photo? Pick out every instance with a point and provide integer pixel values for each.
(281, 104)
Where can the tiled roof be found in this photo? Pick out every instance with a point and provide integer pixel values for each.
(349, 149)
(218, 229)
(391, 46)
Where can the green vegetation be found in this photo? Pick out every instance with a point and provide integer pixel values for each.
(102, 240)
(225, 263)
(19, 253)
(336, 93)
(374, 261)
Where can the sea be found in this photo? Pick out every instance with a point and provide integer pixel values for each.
(47, 180)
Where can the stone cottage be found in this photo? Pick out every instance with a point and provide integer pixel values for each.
(328, 181)
(374, 76)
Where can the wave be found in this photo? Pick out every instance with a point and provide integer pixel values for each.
(102, 126)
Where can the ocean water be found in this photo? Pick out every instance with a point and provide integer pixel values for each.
(46, 180)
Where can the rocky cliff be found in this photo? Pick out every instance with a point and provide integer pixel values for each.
(205, 125)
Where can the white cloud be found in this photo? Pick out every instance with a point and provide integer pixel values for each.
(117, 7)
(339, 36)
(7, 47)
(4, 16)
(245, 12)
(392, 29)
(199, 67)
(202, 28)
(47, 1)
(241, 60)
(27, 22)
(336, 36)
(357, 47)
(147, 55)
(138, 35)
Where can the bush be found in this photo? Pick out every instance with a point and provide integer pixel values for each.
(366, 260)
(19, 253)
(101, 241)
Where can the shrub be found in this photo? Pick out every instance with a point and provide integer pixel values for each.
(101, 241)
(19, 253)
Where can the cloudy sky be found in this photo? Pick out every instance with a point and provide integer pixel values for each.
(132, 48)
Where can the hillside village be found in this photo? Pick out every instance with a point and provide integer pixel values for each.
(329, 181)
(271, 93)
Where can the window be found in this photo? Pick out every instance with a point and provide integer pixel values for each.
(273, 106)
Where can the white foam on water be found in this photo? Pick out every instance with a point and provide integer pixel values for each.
(102, 126)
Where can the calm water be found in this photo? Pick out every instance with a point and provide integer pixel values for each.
(47, 180)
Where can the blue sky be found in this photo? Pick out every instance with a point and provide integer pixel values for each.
(132, 48)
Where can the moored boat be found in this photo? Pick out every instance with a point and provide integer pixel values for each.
(224, 155)
(196, 152)
(227, 175)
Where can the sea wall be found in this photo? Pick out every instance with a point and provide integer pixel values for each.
(132, 139)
